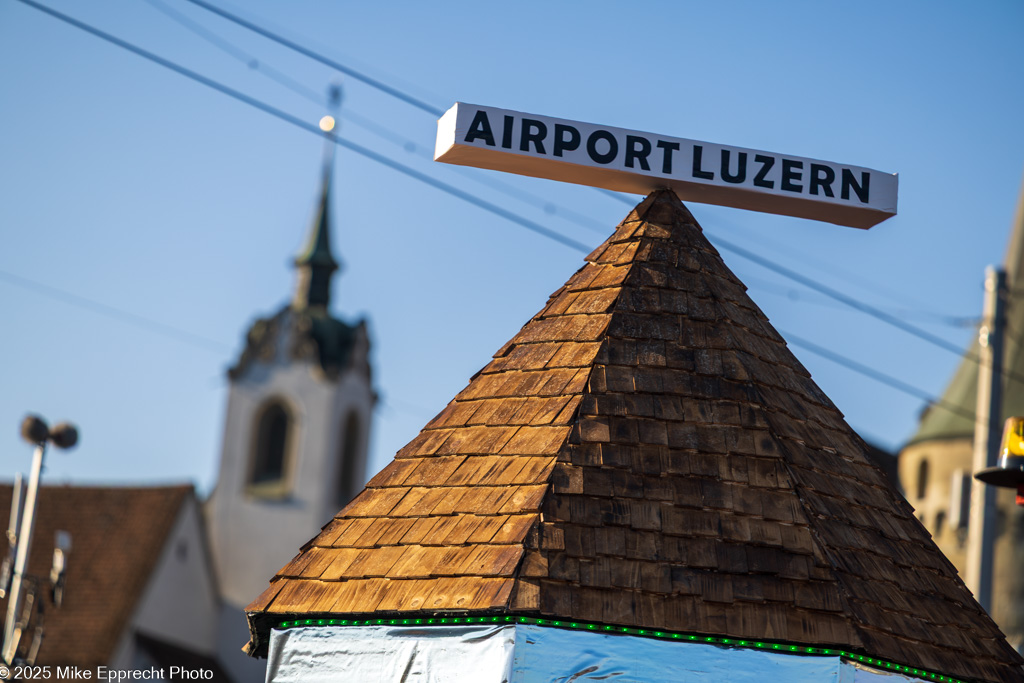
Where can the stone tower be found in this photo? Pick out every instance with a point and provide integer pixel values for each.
(296, 433)
(935, 466)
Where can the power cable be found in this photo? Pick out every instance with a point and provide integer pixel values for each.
(876, 375)
(348, 71)
(116, 313)
(952, 321)
(405, 97)
(858, 305)
(248, 59)
(853, 365)
(295, 121)
(410, 146)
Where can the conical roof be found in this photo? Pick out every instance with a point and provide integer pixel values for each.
(940, 422)
(647, 452)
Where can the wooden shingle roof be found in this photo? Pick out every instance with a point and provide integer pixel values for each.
(647, 452)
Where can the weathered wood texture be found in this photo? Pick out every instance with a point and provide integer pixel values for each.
(648, 452)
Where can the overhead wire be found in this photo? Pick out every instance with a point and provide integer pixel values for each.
(405, 97)
(296, 121)
(409, 146)
(316, 56)
(248, 59)
(955, 321)
(838, 296)
(876, 375)
(492, 208)
(860, 306)
(115, 313)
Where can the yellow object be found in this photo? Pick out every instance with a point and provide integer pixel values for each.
(1013, 437)
(327, 124)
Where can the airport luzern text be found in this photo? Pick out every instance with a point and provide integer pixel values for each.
(634, 161)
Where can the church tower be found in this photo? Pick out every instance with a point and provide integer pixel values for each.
(295, 442)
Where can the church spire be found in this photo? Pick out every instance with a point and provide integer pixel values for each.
(315, 264)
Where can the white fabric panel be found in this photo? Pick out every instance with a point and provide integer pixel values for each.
(550, 655)
(386, 654)
(522, 653)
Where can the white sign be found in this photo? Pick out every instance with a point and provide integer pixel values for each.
(638, 162)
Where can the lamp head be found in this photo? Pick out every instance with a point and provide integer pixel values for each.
(64, 435)
(34, 430)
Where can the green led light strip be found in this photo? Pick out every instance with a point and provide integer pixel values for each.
(781, 648)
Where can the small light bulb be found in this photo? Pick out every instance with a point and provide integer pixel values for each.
(327, 124)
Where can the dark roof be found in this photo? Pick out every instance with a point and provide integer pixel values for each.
(315, 335)
(117, 535)
(940, 423)
(647, 452)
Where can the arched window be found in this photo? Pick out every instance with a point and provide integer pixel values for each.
(922, 478)
(348, 468)
(271, 446)
(940, 523)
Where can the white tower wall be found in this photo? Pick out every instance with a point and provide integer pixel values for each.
(252, 536)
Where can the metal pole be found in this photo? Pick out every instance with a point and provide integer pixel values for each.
(987, 433)
(12, 634)
(7, 568)
(19, 493)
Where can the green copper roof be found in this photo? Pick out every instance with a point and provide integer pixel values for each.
(940, 423)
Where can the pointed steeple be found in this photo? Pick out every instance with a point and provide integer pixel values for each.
(315, 264)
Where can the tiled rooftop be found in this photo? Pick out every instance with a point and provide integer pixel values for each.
(117, 535)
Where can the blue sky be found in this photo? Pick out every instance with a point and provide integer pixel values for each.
(136, 189)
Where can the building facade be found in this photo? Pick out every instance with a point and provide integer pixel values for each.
(935, 467)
